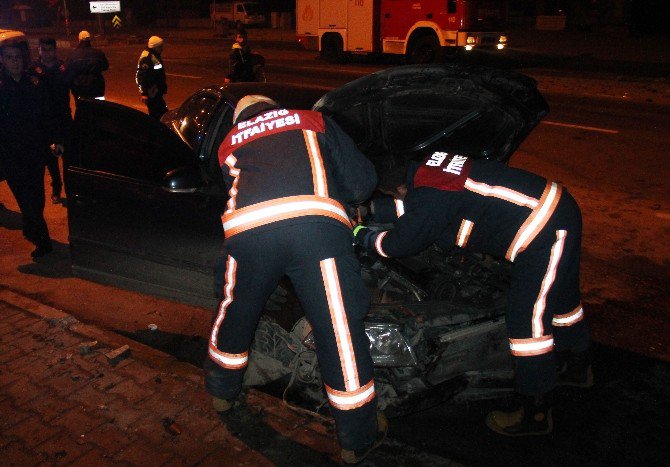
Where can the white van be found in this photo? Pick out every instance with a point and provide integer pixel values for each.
(236, 13)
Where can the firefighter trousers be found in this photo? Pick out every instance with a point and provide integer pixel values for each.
(318, 258)
(544, 312)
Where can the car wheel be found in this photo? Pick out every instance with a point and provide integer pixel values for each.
(425, 49)
(332, 50)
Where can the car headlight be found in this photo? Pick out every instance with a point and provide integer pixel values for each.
(470, 40)
(388, 346)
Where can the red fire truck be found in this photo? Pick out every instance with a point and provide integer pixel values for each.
(421, 30)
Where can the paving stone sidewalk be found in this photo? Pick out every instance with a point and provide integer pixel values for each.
(65, 398)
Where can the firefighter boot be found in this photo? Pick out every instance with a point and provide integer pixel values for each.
(575, 370)
(532, 417)
(354, 457)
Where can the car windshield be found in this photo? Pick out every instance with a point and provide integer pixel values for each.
(194, 116)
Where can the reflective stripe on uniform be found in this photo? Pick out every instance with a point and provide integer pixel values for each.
(348, 400)
(548, 280)
(501, 192)
(316, 161)
(280, 209)
(568, 319)
(464, 233)
(235, 173)
(226, 360)
(532, 346)
(399, 207)
(378, 244)
(338, 318)
(535, 221)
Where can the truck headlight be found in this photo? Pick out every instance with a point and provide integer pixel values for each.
(388, 346)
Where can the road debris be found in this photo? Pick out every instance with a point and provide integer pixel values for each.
(116, 355)
(171, 426)
(86, 348)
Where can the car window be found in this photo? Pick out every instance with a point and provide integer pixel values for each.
(221, 129)
(451, 6)
(194, 117)
(121, 141)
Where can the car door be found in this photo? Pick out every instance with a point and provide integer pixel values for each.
(126, 229)
(406, 113)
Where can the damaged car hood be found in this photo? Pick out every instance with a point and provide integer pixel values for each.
(408, 112)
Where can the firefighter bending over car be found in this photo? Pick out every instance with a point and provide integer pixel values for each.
(491, 208)
(290, 174)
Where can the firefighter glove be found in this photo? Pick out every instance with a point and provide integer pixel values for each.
(364, 236)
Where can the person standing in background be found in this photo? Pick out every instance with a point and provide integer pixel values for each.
(150, 77)
(51, 72)
(84, 69)
(28, 125)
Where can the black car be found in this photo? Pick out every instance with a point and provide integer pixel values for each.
(146, 200)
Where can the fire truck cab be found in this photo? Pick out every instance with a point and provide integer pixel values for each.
(421, 30)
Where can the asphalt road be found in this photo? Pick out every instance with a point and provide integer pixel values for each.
(612, 155)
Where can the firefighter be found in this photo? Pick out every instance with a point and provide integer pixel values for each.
(150, 77)
(244, 65)
(491, 208)
(50, 70)
(85, 66)
(27, 128)
(289, 175)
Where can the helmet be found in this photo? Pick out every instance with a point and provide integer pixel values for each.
(84, 35)
(9, 37)
(154, 41)
(252, 99)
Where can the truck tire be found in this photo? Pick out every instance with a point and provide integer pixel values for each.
(425, 49)
(332, 49)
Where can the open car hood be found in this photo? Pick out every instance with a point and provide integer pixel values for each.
(408, 112)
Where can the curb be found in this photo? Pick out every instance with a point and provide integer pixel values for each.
(105, 338)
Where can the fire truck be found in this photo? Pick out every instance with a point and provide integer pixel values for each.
(423, 31)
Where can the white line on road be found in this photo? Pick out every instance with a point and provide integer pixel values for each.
(184, 76)
(581, 127)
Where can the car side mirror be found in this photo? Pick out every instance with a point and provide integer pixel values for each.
(184, 180)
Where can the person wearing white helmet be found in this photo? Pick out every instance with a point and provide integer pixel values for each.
(84, 69)
(150, 77)
(290, 174)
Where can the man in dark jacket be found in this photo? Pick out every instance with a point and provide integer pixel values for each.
(491, 208)
(51, 72)
(85, 66)
(243, 64)
(290, 174)
(27, 127)
(150, 77)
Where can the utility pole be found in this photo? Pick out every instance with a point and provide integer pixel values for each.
(66, 13)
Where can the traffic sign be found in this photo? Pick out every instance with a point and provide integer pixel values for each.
(116, 22)
(105, 7)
